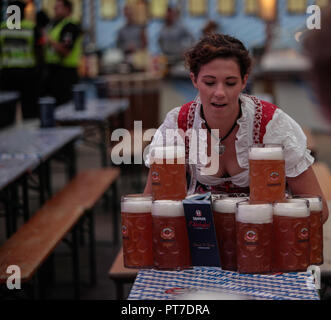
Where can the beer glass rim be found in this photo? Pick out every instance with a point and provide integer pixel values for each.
(295, 207)
(266, 151)
(306, 196)
(137, 197)
(178, 204)
(315, 201)
(254, 217)
(229, 204)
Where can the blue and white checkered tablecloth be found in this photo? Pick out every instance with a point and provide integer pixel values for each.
(163, 285)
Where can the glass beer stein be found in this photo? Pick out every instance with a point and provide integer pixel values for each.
(266, 172)
(254, 237)
(137, 231)
(168, 173)
(291, 235)
(316, 227)
(224, 211)
(170, 238)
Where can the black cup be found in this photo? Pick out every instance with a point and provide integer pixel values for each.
(47, 108)
(101, 88)
(79, 95)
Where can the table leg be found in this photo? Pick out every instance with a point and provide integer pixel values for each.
(8, 212)
(103, 144)
(26, 210)
(41, 176)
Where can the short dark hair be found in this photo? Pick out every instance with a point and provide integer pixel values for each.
(214, 46)
(67, 4)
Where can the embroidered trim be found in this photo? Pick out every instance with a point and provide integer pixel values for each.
(257, 118)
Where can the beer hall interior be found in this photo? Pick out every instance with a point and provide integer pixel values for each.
(68, 183)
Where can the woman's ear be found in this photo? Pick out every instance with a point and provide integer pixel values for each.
(244, 81)
(193, 79)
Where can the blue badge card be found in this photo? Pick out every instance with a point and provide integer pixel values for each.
(201, 231)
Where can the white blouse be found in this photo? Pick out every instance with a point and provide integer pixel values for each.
(281, 129)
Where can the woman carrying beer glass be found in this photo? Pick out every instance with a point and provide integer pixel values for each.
(221, 124)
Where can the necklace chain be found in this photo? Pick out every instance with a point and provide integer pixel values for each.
(229, 132)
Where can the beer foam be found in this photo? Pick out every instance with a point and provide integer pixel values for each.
(227, 205)
(254, 213)
(315, 203)
(275, 153)
(295, 208)
(167, 208)
(168, 152)
(137, 205)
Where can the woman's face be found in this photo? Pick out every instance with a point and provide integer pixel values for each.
(219, 83)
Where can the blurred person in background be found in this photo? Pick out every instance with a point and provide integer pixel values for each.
(131, 37)
(317, 44)
(174, 38)
(18, 62)
(62, 53)
(210, 27)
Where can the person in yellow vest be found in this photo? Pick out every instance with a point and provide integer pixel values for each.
(18, 62)
(63, 53)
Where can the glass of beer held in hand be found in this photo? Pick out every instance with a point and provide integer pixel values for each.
(291, 235)
(224, 211)
(137, 231)
(168, 173)
(266, 173)
(254, 237)
(170, 238)
(316, 227)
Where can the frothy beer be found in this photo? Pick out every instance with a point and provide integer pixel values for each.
(224, 211)
(168, 173)
(170, 238)
(291, 236)
(254, 237)
(316, 228)
(267, 173)
(137, 231)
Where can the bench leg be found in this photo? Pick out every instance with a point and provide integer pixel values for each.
(93, 270)
(75, 263)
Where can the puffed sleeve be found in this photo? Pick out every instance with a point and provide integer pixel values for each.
(286, 131)
(161, 135)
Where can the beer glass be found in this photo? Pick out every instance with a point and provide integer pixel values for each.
(224, 211)
(168, 173)
(316, 227)
(170, 239)
(254, 237)
(137, 231)
(291, 235)
(266, 172)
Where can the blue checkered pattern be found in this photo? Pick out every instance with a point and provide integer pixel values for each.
(155, 285)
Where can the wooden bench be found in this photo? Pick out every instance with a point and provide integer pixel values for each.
(121, 275)
(323, 175)
(31, 245)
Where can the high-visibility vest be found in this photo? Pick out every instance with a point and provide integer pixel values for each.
(73, 58)
(17, 46)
